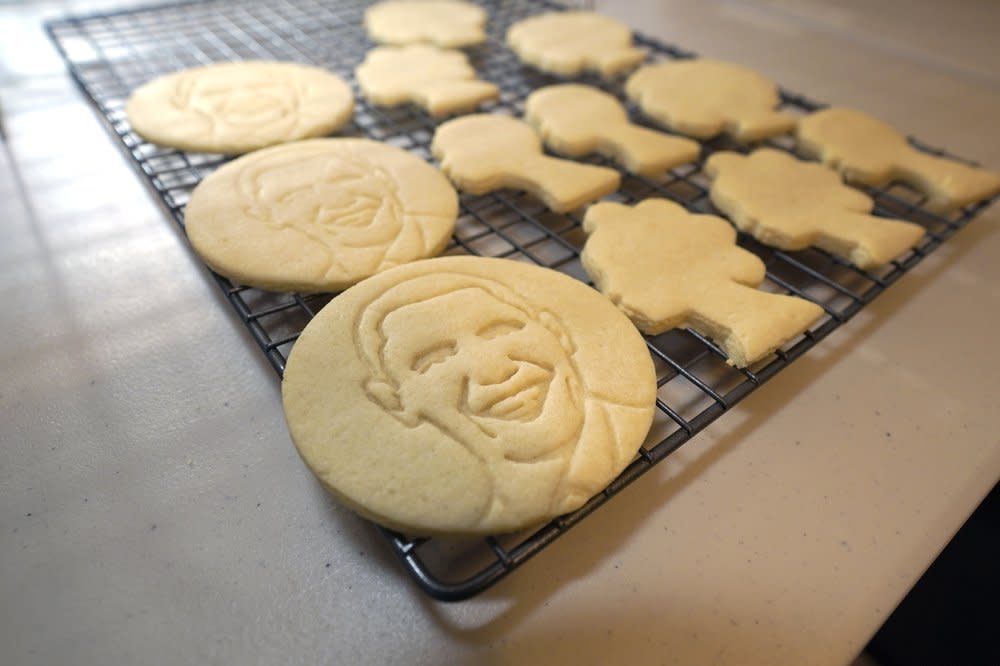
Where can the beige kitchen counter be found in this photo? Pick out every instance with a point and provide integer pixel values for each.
(153, 510)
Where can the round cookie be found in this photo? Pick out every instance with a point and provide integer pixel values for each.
(237, 107)
(446, 23)
(465, 395)
(568, 42)
(319, 215)
(703, 98)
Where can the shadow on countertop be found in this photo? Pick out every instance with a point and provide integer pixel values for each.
(951, 615)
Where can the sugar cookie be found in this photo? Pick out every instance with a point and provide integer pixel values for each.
(446, 23)
(704, 98)
(441, 81)
(468, 395)
(667, 268)
(567, 43)
(867, 150)
(576, 120)
(791, 204)
(319, 215)
(482, 153)
(236, 107)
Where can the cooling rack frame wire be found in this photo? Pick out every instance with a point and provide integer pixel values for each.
(108, 54)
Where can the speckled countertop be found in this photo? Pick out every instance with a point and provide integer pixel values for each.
(153, 511)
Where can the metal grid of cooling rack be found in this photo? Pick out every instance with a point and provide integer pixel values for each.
(111, 54)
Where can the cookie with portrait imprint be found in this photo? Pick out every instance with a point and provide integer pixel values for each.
(319, 215)
(790, 204)
(571, 42)
(237, 107)
(704, 98)
(466, 395)
(438, 80)
(667, 268)
(445, 23)
(576, 120)
(482, 153)
(867, 150)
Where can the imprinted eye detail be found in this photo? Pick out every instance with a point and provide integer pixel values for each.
(423, 361)
(501, 327)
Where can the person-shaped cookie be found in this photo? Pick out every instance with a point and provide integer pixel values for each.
(790, 204)
(576, 119)
(867, 150)
(468, 395)
(482, 153)
(667, 268)
(704, 98)
(567, 43)
(439, 80)
(445, 23)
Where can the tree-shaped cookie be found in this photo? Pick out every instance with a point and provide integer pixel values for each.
(704, 98)
(867, 150)
(482, 152)
(791, 204)
(567, 43)
(667, 268)
(439, 80)
(446, 23)
(575, 120)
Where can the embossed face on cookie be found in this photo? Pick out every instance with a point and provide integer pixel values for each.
(230, 99)
(483, 366)
(347, 203)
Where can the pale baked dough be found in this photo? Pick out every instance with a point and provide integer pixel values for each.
(439, 80)
(667, 268)
(446, 23)
(319, 215)
(791, 204)
(868, 150)
(704, 98)
(482, 153)
(467, 395)
(567, 43)
(575, 120)
(237, 107)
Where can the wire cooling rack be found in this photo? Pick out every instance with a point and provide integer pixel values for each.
(111, 54)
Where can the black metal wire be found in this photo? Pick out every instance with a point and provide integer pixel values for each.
(110, 54)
